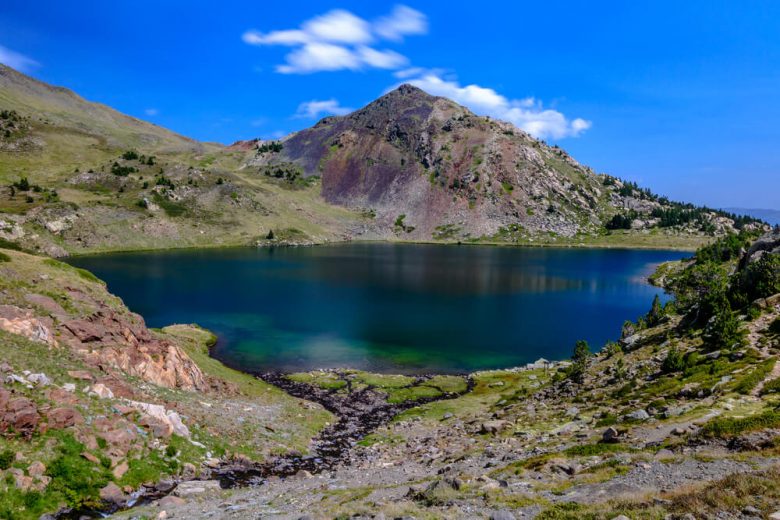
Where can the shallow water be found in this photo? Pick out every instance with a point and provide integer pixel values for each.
(387, 307)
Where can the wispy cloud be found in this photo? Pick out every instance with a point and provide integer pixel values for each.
(314, 108)
(17, 60)
(340, 40)
(151, 112)
(527, 113)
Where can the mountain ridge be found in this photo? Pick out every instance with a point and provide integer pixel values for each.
(408, 166)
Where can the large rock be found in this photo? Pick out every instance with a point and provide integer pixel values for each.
(494, 427)
(19, 414)
(24, 323)
(196, 487)
(113, 494)
(64, 417)
(610, 435)
(161, 421)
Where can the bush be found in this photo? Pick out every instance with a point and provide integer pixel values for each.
(75, 477)
(774, 328)
(674, 362)
(757, 280)
(723, 330)
(4, 258)
(7, 458)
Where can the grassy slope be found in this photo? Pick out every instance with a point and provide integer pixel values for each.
(254, 419)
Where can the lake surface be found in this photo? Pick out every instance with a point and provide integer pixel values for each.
(387, 307)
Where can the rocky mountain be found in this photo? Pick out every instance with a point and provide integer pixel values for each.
(430, 168)
(77, 176)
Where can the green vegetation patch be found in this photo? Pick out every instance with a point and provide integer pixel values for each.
(733, 426)
(747, 383)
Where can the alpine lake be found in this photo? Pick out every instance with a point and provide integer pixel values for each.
(388, 308)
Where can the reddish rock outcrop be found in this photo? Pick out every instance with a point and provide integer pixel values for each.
(107, 338)
(18, 415)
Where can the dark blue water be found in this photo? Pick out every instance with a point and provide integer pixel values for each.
(387, 307)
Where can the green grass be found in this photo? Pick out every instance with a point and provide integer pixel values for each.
(747, 383)
(771, 387)
(733, 426)
(589, 450)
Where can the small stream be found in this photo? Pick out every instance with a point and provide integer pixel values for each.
(360, 412)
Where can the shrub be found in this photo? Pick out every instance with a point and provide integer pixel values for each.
(757, 280)
(270, 235)
(4, 258)
(75, 477)
(723, 330)
(130, 155)
(7, 458)
(674, 362)
(775, 326)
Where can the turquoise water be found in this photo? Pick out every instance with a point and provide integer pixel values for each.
(387, 307)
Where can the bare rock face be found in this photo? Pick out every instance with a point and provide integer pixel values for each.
(109, 338)
(444, 168)
(24, 323)
(767, 244)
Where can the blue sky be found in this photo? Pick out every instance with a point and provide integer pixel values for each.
(683, 97)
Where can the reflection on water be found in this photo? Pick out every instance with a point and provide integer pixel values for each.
(387, 307)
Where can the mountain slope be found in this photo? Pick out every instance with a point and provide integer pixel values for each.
(78, 177)
(430, 168)
(65, 110)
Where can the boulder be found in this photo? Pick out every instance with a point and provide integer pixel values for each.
(101, 390)
(196, 487)
(81, 375)
(610, 435)
(502, 515)
(638, 415)
(171, 501)
(64, 417)
(494, 427)
(113, 494)
(36, 469)
(24, 323)
(19, 414)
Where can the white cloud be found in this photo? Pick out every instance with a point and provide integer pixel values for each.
(151, 112)
(402, 21)
(340, 40)
(16, 60)
(314, 57)
(339, 26)
(527, 114)
(381, 59)
(312, 109)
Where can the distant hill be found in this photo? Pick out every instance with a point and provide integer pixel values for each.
(771, 216)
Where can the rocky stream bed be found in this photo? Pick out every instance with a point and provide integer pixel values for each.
(360, 410)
